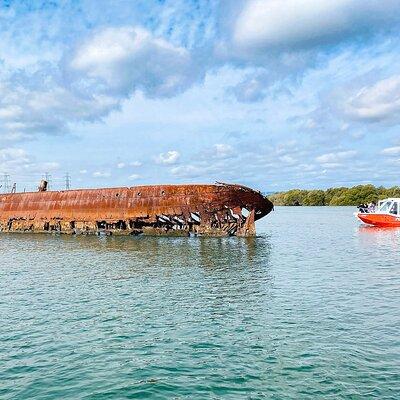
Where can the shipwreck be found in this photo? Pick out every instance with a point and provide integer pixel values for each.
(218, 209)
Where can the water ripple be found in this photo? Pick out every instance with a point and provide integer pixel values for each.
(310, 308)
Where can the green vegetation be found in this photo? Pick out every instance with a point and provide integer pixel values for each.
(341, 196)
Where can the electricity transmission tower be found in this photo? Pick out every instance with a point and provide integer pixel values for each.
(6, 183)
(67, 181)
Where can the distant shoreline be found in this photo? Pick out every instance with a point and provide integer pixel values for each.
(312, 205)
(341, 196)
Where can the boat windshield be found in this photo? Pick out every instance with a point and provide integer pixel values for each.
(394, 209)
(385, 207)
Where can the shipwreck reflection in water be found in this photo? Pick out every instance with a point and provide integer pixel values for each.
(140, 253)
(222, 270)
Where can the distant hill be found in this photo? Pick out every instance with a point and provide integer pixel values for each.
(341, 196)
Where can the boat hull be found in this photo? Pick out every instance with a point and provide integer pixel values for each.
(179, 210)
(381, 220)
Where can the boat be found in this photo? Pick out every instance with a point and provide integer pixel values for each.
(219, 209)
(386, 214)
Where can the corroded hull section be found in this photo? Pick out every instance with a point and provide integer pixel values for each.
(181, 210)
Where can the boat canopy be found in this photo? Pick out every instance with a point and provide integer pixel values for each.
(389, 206)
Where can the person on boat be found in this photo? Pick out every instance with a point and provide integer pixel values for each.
(363, 208)
(371, 206)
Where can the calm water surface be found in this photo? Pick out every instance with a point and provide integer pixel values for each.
(310, 308)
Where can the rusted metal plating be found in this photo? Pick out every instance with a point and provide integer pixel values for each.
(214, 210)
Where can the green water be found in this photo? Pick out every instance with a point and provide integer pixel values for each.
(309, 309)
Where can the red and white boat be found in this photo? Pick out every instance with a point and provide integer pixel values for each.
(385, 215)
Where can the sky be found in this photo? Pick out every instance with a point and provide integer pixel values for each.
(273, 94)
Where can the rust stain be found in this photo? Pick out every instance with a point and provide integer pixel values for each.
(181, 210)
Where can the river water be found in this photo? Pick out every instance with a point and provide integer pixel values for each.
(308, 309)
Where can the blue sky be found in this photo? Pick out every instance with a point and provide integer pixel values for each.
(273, 94)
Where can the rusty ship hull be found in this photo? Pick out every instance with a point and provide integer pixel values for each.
(180, 210)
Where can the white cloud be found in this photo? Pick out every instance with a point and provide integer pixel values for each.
(334, 158)
(394, 162)
(222, 150)
(10, 112)
(134, 177)
(282, 39)
(252, 88)
(13, 159)
(13, 154)
(170, 157)
(187, 171)
(122, 60)
(16, 161)
(100, 174)
(331, 165)
(287, 159)
(38, 104)
(391, 151)
(122, 165)
(87, 83)
(377, 102)
(83, 171)
(306, 167)
(301, 24)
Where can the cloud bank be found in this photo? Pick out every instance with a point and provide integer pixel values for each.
(294, 90)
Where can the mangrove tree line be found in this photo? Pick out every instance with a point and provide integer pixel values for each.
(341, 196)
